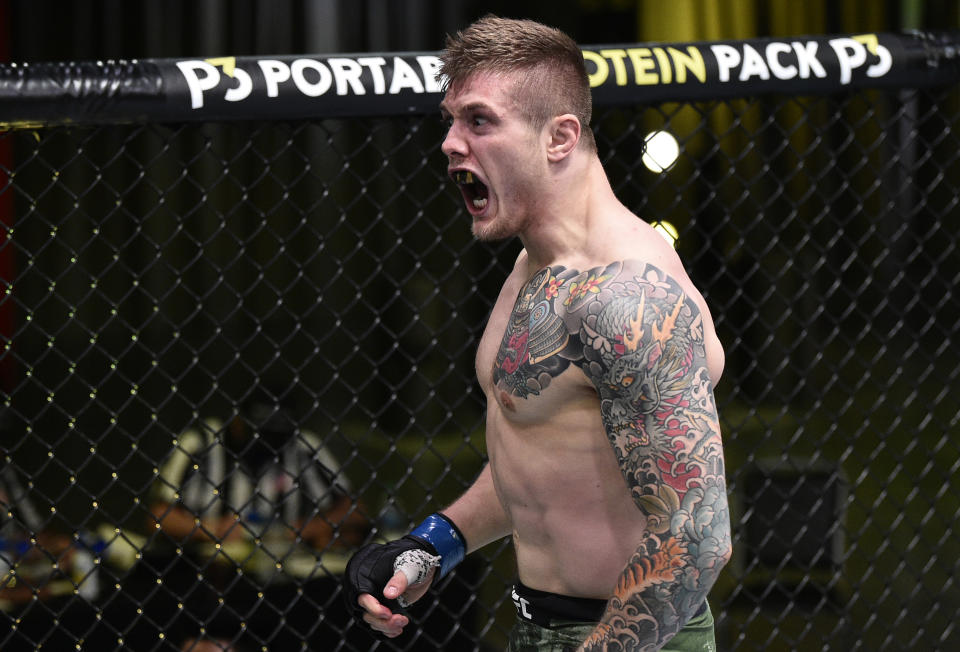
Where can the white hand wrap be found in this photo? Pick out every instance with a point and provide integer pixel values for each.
(415, 564)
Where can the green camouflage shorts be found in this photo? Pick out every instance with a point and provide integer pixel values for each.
(696, 636)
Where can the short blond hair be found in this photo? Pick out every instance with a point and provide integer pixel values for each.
(555, 78)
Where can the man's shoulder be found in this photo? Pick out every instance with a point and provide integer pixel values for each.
(579, 288)
(622, 300)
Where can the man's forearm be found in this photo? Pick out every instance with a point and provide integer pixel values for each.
(479, 514)
(668, 578)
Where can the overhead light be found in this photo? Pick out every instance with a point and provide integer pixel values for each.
(660, 151)
(667, 230)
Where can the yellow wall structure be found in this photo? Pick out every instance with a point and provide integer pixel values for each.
(708, 20)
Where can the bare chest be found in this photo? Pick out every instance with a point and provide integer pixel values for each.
(526, 360)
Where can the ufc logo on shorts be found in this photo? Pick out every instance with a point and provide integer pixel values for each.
(521, 604)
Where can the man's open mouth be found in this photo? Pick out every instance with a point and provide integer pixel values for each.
(474, 191)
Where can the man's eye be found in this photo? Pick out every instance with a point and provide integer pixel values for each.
(479, 121)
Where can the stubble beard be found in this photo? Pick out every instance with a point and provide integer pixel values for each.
(504, 226)
(499, 229)
(489, 233)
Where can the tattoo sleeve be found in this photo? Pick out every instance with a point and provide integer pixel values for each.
(643, 349)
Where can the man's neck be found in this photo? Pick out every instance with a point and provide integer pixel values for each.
(580, 202)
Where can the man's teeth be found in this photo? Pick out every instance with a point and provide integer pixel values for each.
(480, 202)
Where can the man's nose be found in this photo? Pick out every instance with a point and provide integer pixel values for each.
(453, 144)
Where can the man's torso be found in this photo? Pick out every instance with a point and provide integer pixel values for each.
(575, 525)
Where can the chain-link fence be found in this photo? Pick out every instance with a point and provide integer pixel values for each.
(234, 351)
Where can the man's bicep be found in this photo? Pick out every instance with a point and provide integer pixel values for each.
(645, 353)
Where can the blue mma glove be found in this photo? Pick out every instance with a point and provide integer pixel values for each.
(434, 543)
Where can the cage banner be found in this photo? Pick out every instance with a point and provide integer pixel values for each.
(376, 84)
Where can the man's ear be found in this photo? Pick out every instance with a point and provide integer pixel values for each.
(564, 132)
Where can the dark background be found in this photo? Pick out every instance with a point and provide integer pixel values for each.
(50, 30)
(825, 247)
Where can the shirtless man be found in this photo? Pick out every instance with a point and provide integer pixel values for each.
(598, 364)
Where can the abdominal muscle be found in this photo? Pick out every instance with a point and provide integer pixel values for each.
(574, 523)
